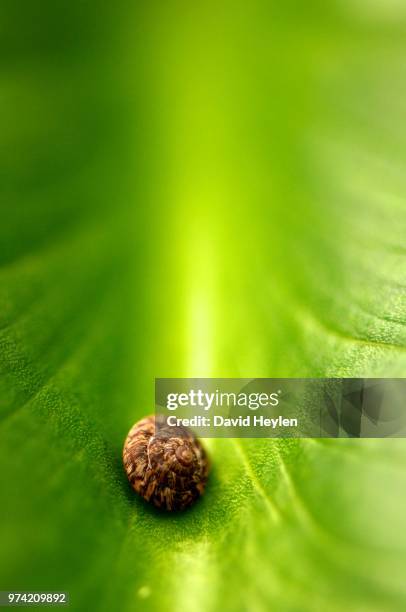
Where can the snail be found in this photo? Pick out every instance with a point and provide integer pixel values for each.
(167, 466)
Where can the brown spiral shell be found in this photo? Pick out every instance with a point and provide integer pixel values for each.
(168, 467)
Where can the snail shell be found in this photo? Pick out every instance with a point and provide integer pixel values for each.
(168, 467)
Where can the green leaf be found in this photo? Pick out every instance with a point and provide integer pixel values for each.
(212, 190)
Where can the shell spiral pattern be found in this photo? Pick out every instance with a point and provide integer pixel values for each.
(168, 468)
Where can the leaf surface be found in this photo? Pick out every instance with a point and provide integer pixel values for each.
(217, 191)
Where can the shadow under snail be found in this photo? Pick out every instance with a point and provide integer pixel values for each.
(167, 466)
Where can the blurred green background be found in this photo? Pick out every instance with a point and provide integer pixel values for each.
(199, 189)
